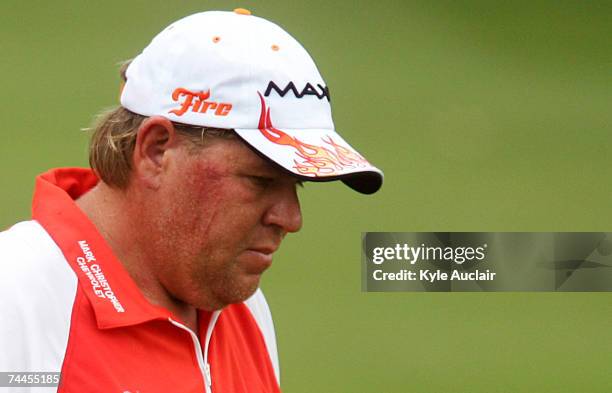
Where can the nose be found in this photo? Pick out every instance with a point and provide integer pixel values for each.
(285, 211)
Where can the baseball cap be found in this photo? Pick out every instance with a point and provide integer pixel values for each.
(237, 71)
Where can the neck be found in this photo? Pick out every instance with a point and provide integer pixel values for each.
(113, 215)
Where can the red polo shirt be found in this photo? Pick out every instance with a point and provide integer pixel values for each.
(99, 330)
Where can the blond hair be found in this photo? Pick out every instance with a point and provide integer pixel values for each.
(114, 136)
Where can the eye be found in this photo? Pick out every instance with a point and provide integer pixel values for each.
(261, 181)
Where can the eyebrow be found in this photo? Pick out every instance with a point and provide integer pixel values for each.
(260, 163)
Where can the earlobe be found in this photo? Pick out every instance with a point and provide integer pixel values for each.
(156, 135)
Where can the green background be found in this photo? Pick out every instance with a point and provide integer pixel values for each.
(485, 116)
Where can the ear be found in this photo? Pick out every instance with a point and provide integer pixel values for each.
(156, 135)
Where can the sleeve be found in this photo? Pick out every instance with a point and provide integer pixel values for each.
(258, 306)
(37, 290)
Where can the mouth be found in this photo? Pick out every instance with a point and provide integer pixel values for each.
(258, 259)
(266, 250)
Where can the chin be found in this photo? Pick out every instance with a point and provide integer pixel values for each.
(222, 300)
(221, 293)
(238, 295)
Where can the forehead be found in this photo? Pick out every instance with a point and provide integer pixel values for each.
(233, 153)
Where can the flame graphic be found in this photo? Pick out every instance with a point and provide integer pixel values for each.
(315, 160)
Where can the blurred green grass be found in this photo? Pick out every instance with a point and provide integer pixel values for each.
(485, 116)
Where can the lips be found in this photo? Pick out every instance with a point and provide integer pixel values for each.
(265, 249)
(258, 259)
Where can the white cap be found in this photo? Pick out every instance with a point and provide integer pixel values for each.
(237, 71)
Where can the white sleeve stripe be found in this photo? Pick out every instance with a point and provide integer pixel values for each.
(261, 312)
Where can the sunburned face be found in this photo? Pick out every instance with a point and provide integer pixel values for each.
(221, 214)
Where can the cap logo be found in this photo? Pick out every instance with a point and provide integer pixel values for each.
(311, 160)
(307, 90)
(198, 103)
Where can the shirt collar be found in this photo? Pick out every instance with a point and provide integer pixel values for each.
(114, 296)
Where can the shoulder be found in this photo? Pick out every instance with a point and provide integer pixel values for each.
(260, 310)
(37, 290)
(30, 261)
(22, 242)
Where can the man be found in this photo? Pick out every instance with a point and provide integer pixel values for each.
(142, 275)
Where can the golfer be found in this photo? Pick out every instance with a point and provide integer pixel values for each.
(141, 274)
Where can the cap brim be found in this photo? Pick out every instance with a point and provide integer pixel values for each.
(315, 155)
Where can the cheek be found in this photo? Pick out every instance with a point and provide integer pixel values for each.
(208, 206)
(209, 211)
(197, 184)
(184, 208)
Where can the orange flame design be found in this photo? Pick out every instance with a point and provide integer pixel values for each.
(315, 160)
